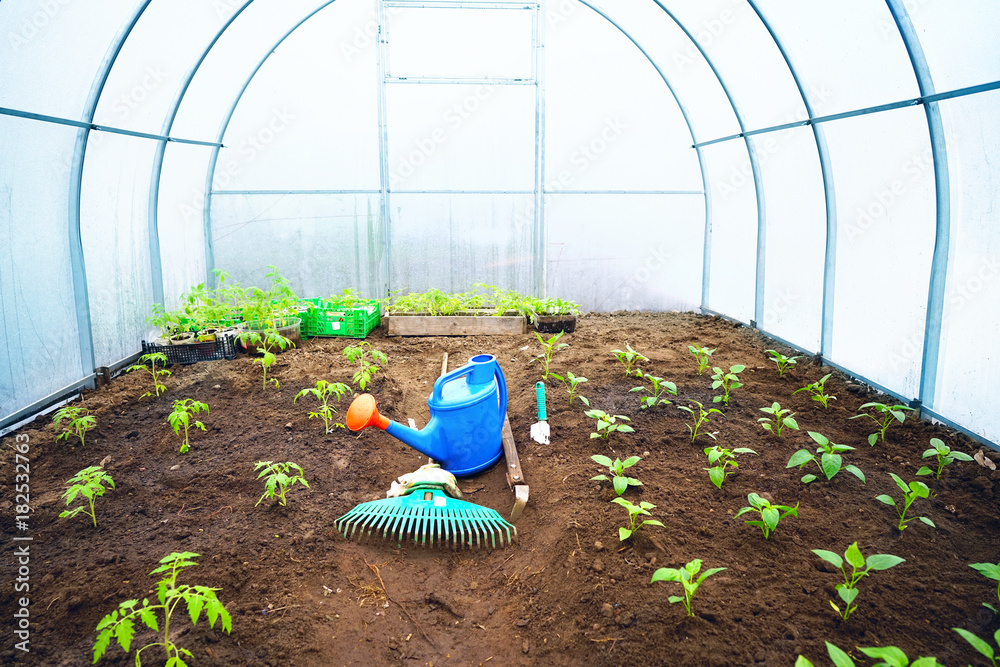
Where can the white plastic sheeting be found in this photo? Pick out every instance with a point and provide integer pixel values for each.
(586, 149)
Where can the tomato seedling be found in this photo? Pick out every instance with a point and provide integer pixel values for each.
(78, 423)
(770, 514)
(181, 417)
(88, 483)
(860, 567)
(152, 359)
(324, 391)
(685, 576)
(617, 469)
(278, 478)
(368, 360)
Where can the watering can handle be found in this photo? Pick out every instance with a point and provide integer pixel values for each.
(459, 372)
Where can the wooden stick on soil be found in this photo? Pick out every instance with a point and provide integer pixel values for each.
(374, 568)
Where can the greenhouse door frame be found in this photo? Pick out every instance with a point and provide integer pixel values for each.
(537, 79)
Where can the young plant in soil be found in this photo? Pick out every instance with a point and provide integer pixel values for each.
(981, 645)
(686, 577)
(721, 459)
(944, 455)
(779, 419)
(278, 479)
(608, 424)
(728, 380)
(990, 571)
(617, 469)
(152, 359)
(889, 655)
(181, 416)
(660, 388)
(629, 358)
(860, 567)
(818, 391)
(368, 360)
(830, 461)
(701, 418)
(272, 340)
(324, 391)
(120, 623)
(88, 483)
(910, 493)
(703, 355)
(884, 416)
(550, 346)
(770, 514)
(634, 512)
(784, 363)
(572, 383)
(78, 423)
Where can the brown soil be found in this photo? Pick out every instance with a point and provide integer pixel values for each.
(567, 592)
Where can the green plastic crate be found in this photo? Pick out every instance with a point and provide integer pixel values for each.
(326, 317)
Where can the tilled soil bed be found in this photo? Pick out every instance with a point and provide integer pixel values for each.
(567, 592)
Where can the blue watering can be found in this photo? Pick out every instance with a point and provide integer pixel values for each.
(468, 406)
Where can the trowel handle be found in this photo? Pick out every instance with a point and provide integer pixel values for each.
(540, 395)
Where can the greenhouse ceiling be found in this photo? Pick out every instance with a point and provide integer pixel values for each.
(824, 172)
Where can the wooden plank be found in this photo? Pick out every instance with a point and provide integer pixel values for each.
(455, 325)
(514, 473)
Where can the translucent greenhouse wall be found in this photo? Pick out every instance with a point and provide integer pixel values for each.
(820, 171)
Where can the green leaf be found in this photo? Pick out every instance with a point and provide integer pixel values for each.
(124, 632)
(854, 557)
(924, 470)
(602, 460)
(883, 561)
(666, 574)
(148, 616)
(988, 570)
(625, 428)
(892, 655)
(770, 516)
(800, 458)
(808, 478)
(927, 521)
(831, 464)
(885, 499)
(653, 522)
(624, 534)
(621, 483)
(872, 438)
(791, 423)
(854, 470)
(830, 557)
(839, 658)
(675, 598)
(961, 456)
(900, 483)
(847, 594)
(599, 478)
(631, 461)
(717, 475)
(803, 662)
(976, 642)
(195, 605)
(743, 511)
(708, 573)
(101, 645)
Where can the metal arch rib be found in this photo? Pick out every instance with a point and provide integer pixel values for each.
(156, 267)
(757, 182)
(78, 264)
(942, 238)
(209, 254)
(687, 121)
(826, 169)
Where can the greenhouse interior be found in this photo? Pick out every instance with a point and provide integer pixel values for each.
(642, 270)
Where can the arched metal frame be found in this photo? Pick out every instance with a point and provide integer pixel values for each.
(929, 99)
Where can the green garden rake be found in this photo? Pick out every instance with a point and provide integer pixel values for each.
(429, 516)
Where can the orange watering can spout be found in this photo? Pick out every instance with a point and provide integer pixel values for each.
(363, 414)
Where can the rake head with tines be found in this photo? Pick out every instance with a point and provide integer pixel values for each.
(428, 517)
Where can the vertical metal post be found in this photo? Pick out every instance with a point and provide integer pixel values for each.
(382, 55)
(540, 236)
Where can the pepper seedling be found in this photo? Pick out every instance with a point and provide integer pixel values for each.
(778, 420)
(660, 388)
(830, 460)
(784, 363)
(818, 391)
(728, 380)
(572, 383)
(721, 459)
(980, 645)
(549, 347)
(860, 567)
(629, 358)
(685, 576)
(884, 417)
(617, 469)
(990, 571)
(79, 423)
(703, 355)
(634, 512)
(944, 455)
(911, 492)
(608, 424)
(890, 656)
(701, 418)
(770, 514)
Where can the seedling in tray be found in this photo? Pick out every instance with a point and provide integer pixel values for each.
(721, 459)
(617, 469)
(685, 576)
(629, 358)
(784, 363)
(88, 483)
(910, 493)
(572, 383)
(550, 346)
(368, 360)
(278, 478)
(152, 358)
(181, 416)
(860, 567)
(324, 391)
(660, 388)
(608, 424)
(779, 419)
(728, 380)
(818, 391)
(884, 417)
(944, 455)
(79, 423)
(701, 417)
(120, 624)
(830, 461)
(634, 512)
(703, 355)
(770, 514)
(990, 571)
